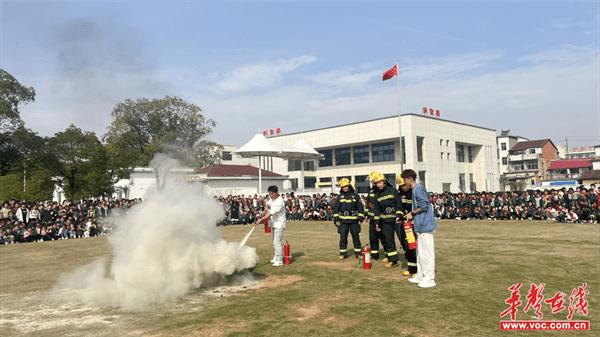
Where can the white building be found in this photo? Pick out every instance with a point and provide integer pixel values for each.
(447, 155)
(214, 180)
(505, 142)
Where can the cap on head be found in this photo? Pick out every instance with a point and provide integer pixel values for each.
(376, 176)
(344, 182)
(399, 179)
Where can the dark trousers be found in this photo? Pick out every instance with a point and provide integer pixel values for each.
(354, 229)
(409, 254)
(375, 238)
(388, 228)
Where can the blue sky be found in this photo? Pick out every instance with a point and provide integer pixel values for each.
(528, 66)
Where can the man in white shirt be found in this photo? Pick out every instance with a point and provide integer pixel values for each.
(276, 215)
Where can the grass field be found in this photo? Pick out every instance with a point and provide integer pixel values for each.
(318, 295)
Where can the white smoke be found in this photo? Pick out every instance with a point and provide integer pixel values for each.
(162, 249)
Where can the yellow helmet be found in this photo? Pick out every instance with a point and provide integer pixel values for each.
(376, 176)
(399, 179)
(344, 182)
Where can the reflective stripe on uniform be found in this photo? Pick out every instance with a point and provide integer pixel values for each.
(399, 212)
(336, 214)
(374, 252)
(388, 216)
(360, 214)
(371, 213)
(357, 250)
(376, 217)
(347, 200)
(348, 217)
(407, 201)
(389, 196)
(343, 250)
(392, 253)
(411, 264)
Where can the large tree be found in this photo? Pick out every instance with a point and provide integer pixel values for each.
(80, 162)
(12, 95)
(140, 128)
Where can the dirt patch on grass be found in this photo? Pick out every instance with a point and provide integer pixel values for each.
(338, 265)
(220, 330)
(306, 313)
(277, 281)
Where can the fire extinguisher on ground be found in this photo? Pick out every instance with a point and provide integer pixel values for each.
(410, 235)
(287, 253)
(365, 252)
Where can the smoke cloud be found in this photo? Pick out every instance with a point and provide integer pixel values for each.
(162, 249)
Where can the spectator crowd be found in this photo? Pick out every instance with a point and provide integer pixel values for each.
(565, 205)
(28, 221)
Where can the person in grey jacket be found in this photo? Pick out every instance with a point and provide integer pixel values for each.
(424, 224)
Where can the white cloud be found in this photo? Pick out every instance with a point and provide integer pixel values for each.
(445, 67)
(345, 78)
(260, 75)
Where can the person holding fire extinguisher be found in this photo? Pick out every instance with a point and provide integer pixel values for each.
(425, 225)
(276, 217)
(405, 195)
(386, 204)
(348, 213)
(375, 233)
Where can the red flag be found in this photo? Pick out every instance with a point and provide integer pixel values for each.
(393, 71)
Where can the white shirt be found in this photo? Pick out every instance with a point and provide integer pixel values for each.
(277, 211)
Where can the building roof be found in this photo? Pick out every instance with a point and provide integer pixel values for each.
(569, 164)
(221, 170)
(376, 119)
(589, 175)
(531, 144)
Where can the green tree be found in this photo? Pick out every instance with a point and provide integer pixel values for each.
(140, 128)
(12, 95)
(80, 162)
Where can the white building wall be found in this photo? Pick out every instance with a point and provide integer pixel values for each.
(438, 169)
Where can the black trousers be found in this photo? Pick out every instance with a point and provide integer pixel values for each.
(375, 238)
(409, 254)
(354, 229)
(388, 228)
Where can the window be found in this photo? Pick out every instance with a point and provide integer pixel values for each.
(327, 158)
(442, 155)
(362, 184)
(403, 151)
(294, 165)
(448, 154)
(361, 154)
(309, 165)
(532, 166)
(504, 161)
(441, 142)
(342, 156)
(472, 185)
(294, 184)
(448, 142)
(446, 187)
(470, 154)
(460, 153)
(310, 182)
(383, 152)
(391, 178)
(226, 156)
(531, 151)
(420, 141)
(503, 146)
(422, 178)
(461, 182)
(325, 179)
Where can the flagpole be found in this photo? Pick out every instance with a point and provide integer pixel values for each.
(399, 115)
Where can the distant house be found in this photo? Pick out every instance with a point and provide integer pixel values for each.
(528, 163)
(569, 168)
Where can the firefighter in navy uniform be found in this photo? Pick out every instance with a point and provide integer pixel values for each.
(375, 232)
(405, 195)
(348, 212)
(386, 204)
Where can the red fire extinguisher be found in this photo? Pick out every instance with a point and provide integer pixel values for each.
(267, 228)
(366, 257)
(410, 235)
(287, 258)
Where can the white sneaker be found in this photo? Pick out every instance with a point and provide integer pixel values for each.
(272, 261)
(277, 264)
(414, 280)
(428, 284)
